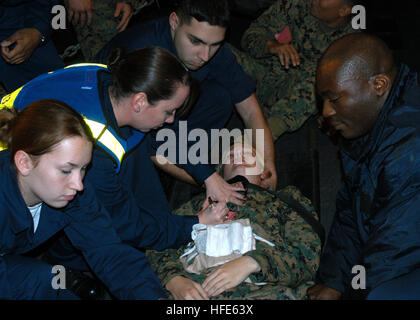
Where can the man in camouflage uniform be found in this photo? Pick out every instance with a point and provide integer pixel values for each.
(288, 268)
(96, 23)
(295, 33)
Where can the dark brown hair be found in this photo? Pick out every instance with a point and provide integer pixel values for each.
(214, 12)
(39, 127)
(152, 70)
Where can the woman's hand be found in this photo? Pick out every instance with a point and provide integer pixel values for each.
(230, 275)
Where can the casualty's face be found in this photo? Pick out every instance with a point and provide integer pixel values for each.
(57, 176)
(196, 43)
(155, 116)
(243, 161)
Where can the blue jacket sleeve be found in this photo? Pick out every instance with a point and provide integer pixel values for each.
(124, 269)
(135, 222)
(200, 172)
(343, 247)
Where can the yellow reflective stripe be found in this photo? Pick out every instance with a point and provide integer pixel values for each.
(107, 138)
(8, 101)
(86, 65)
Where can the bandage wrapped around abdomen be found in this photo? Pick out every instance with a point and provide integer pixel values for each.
(218, 244)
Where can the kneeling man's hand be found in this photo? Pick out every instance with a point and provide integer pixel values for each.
(321, 292)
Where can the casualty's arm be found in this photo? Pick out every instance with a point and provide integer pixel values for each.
(230, 275)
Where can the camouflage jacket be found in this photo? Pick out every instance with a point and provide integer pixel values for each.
(287, 95)
(288, 268)
(310, 36)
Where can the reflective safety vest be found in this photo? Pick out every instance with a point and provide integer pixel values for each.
(78, 86)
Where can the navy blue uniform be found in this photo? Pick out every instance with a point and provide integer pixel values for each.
(378, 217)
(19, 14)
(223, 83)
(138, 207)
(122, 268)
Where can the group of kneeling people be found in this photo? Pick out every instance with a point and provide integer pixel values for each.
(77, 166)
(50, 149)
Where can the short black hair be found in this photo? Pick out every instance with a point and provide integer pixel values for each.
(215, 12)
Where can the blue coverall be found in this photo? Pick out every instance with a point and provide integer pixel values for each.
(122, 268)
(132, 194)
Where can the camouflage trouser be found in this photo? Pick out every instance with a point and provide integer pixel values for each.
(102, 28)
(286, 97)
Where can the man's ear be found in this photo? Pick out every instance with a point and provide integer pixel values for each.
(381, 84)
(23, 162)
(173, 21)
(138, 102)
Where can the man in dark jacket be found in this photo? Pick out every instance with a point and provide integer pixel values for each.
(374, 105)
